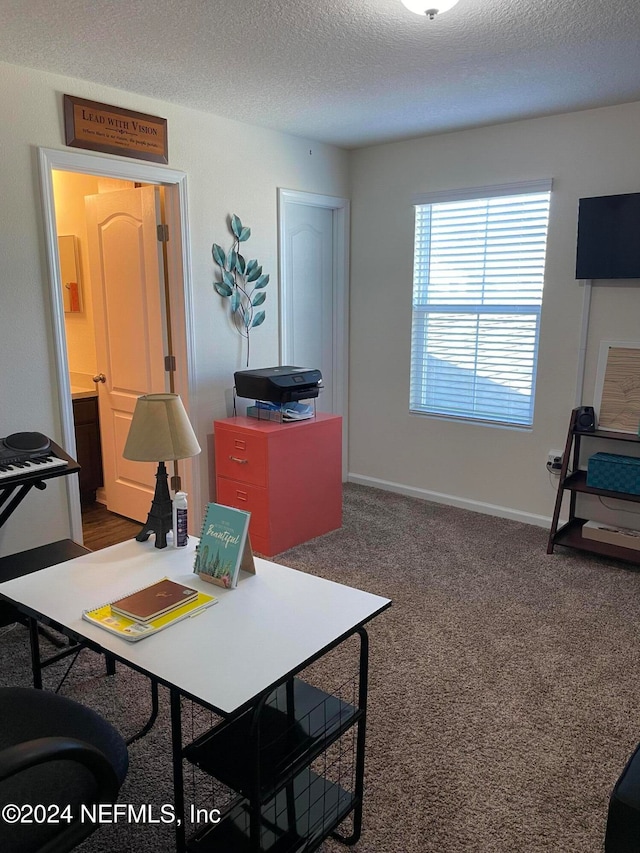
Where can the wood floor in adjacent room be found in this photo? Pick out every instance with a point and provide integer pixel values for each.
(102, 528)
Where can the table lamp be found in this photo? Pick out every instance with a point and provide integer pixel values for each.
(160, 431)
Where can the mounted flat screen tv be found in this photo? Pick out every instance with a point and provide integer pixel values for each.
(609, 237)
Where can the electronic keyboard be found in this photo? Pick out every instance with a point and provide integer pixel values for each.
(26, 453)
(30, 466)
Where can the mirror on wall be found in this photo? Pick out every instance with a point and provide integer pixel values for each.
(68, 251)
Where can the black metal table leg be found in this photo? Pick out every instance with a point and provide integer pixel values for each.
(36, 668)
(254, 793)
(152, 717)
(178, 781)
(360, 743)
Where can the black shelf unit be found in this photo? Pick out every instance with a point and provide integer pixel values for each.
(575, 482)
(298, 818)
(293, 730)
(293, 780)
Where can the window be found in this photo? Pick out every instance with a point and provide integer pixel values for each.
(477, 293)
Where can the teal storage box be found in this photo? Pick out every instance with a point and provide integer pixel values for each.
(614, 472)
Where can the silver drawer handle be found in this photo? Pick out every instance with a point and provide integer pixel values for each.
(241, 461)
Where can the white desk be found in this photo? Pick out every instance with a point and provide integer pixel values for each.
(273, 625)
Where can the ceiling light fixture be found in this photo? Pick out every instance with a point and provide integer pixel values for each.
(430, 8)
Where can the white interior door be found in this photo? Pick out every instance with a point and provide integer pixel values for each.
(314, 294)
(126, 280)
(308, 295)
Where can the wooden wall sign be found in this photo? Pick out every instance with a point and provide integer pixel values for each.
(617, 391)
(112, 130)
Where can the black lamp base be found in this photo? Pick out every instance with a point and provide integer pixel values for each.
(159, 520)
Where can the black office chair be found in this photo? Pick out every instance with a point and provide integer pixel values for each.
(54, 752)
(623, 819)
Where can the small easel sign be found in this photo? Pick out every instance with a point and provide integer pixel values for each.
(224, 546)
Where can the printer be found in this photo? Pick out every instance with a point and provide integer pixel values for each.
(284, 384)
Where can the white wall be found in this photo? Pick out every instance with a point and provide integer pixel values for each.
(487, 468)
(231, 168)
(237, 168)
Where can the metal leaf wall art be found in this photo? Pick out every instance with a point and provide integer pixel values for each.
(240, 281)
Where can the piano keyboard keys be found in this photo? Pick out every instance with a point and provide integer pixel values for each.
(30, 466)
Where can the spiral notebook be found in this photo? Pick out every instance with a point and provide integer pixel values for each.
(131, 630)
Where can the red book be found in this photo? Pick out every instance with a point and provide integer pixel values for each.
(152, 601)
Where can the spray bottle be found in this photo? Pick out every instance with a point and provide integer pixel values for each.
(180, 534)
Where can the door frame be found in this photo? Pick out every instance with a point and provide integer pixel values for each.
(341, 208)
(179, 272)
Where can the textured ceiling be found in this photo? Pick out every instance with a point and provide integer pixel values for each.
(349, 72)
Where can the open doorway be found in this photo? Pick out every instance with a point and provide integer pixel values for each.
(314, 293)
(112, 275)
(105, 326)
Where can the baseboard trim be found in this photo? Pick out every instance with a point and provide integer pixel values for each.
(451, 500)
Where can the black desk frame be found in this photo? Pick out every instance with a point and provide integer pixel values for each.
(256, 706)
(278, 777)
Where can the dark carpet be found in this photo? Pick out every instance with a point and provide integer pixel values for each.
(503, 696)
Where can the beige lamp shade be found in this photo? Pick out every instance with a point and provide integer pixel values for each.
(160, 430)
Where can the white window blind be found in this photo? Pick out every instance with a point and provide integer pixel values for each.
(477, 294)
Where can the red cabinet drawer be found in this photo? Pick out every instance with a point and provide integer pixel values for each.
(250, 498)
(288, 476)
(241, 456)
